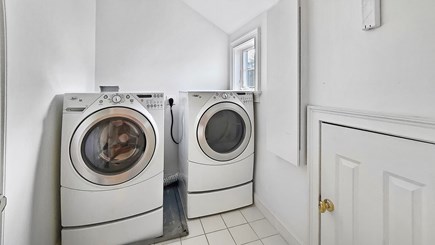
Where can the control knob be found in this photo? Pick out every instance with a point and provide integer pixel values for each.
(116, 99)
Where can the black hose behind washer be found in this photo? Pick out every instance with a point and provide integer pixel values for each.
(171, 103)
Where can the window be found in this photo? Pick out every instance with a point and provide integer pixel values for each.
(245, 53)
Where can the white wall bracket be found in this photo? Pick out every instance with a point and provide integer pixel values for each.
(371, 14)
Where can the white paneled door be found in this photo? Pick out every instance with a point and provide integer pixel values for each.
(382, 188)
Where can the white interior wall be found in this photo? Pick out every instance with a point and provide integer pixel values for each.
(50, 51)
(384, 70)
(274, 176)
(389, 69)
(159, 45)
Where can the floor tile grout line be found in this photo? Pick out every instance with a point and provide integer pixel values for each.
(202, 226)
(206, 238)
(264, 217)
(237, 225)
(252, 206)
(277, 234)
(272, 236)
(226, 228)
(244, 215)
(254, 231)
(216, 231)
(249, 223)
(220, 215)
(200, 221)
(270, 225)
(252, 241)
(234, 240)
(237, 210)
(225, 223)
(187, 238)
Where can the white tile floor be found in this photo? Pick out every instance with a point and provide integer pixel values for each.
(246, 226)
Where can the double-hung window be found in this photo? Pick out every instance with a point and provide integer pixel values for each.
(245, 62)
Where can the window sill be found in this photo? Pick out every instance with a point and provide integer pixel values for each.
(257, 96)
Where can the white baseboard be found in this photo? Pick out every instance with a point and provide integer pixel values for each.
(291, 240)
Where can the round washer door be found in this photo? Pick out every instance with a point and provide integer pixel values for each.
(112, 146)
(224, 131)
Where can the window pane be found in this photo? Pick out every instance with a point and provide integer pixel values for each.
(251, 79)
(248, 68)
(251, 59)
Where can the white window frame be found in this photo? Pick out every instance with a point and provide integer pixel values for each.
(251, 39)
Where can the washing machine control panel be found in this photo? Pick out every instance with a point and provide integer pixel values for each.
(114, 99)
(151, 101)
(77, 103)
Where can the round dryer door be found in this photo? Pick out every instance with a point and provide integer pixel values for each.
(224, 131)
(112, 146)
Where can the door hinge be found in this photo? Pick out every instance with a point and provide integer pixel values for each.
(3, 201)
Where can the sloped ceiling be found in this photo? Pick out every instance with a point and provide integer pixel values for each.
(230, 15)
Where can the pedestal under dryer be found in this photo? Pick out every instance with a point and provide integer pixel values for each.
(216, 151)
(112, 167)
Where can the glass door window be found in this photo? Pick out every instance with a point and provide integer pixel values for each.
(113, 145)
(224, 131)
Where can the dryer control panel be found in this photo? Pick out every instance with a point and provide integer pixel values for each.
(245, 97)
(224, 95)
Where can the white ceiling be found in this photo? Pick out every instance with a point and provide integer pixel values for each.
(230, 15)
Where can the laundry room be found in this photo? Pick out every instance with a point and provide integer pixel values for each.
(323, 72)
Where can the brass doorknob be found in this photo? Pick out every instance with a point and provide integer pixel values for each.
(326, 205)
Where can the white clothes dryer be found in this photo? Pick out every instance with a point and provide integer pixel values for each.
(216, 151)
(112, 167)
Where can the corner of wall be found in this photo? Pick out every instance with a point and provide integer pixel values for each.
(288, 236)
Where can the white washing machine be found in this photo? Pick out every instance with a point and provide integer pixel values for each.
(216, 151)
(112, 167)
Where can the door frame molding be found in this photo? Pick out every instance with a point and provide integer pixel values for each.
(3, 113)
(416, 128)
